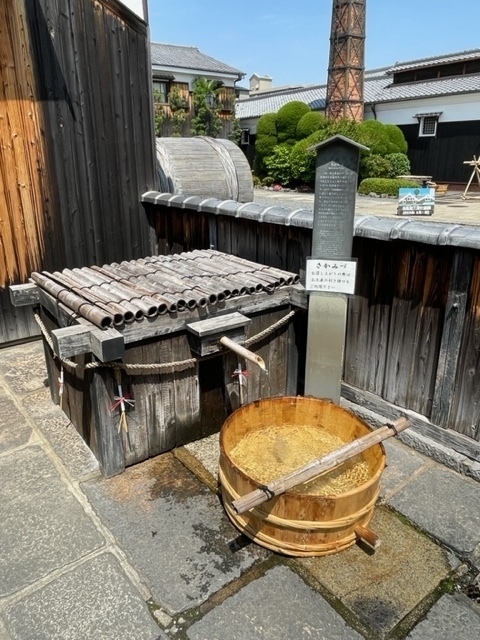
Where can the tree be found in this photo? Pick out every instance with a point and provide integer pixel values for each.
(206, 121)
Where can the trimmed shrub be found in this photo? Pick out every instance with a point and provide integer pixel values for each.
(266, 140)
(386, 186)
(278, 165)
(266, 125)
(288, 118)
(399, 164)
(374, 166)
(374, 136)
(303, 161)
(309, 123)
(398, 144)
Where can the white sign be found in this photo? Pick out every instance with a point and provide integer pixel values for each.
(331, 276)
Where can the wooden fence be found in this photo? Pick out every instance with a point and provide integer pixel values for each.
(413, 333)
(77, 140)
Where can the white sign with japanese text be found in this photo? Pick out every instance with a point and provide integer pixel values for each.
(331, 276)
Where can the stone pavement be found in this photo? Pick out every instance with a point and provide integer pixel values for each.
(450, 208)
(150, 554)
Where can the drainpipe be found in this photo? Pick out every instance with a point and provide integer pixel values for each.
(374, 110)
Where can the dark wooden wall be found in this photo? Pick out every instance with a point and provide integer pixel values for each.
(442, 157)
(79, 132)
(413, 333)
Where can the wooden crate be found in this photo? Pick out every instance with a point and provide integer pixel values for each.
(181, 395)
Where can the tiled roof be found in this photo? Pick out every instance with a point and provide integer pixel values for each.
(255, 106)
(378, 87)
(462, 56)
(169, 55)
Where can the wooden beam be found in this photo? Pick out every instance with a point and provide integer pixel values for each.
(447, 437)
(24, 295)
(71, 341)
(106, 345)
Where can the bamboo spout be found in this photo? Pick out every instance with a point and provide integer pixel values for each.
(243, 352)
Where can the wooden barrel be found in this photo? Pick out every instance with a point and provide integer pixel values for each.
(203, 166)
(299, 524)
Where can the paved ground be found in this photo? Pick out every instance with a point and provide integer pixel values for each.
(450, 208)
(150, 554)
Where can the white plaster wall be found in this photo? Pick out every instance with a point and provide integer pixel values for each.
(136, 6)
(457, 108)
(189, 75)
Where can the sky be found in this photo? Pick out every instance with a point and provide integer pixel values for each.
(289, 40)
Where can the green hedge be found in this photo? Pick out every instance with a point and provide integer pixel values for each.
(388, 186)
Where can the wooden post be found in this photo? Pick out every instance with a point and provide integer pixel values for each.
(333, 215)
(453, 327)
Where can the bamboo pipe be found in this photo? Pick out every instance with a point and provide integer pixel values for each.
(243, 268)
(243, 352)
(190, 270)
(108, 283)
(166, 278)
(223, 272)
(163, 273)
(92, 294)
(128, 281)
(287, 277)
(209, 270)
(318, 466)
(254, 281)
(180, 273)
(72, 301)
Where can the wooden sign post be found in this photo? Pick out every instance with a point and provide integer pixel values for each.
(330, 268)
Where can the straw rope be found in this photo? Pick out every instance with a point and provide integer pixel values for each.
(145, 369)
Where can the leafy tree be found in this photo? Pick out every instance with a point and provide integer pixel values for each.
(206, 121)
(159, 114)
(179, 107)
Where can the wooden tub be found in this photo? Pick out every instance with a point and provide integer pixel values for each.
(299, 524)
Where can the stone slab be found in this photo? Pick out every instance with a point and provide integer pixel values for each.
(444, 504)
(94, 600)
(402, 462)
(206, 451)
(14, 430)
(173, 530)
(68, 444)
(278, 605)
(3, 631)
(43, 526)
(23, 367)
(384, 587)
(39, 404)
(451, 617)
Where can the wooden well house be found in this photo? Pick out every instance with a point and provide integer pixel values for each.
(133, 349)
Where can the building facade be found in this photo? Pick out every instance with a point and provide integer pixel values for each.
(435, 101)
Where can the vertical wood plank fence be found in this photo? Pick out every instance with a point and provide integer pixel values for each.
(77, 137)
(413, 334)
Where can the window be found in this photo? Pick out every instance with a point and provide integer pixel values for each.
(245, 139)
(427, 124)
(160, 91)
